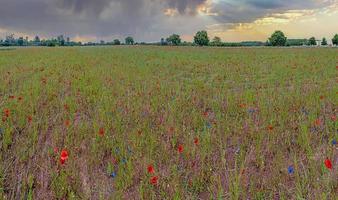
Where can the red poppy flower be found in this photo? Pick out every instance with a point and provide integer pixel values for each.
(321, 97)
(29, 119)
(11, 96)
(196, 141)
(7, 112)
(328, 163)
(64, 156)
(180, 148)
(154, 180)
(205, 113)
(67, 123)
(101, 131)
(242, 105)
(318, 122)
(151, 169)
(270, 127)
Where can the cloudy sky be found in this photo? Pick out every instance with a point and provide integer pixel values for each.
(149, 20)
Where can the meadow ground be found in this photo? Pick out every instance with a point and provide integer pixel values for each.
(168, 123)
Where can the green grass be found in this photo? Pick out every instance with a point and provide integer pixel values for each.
(149, 100)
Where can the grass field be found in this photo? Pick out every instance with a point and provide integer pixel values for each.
(168, 123)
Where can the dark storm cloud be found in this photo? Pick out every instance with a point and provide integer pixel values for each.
(142, 18)
(243, 11)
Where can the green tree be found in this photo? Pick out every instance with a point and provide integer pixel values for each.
(216, 41)
(174, 39)
(277, 39)
(37, 40)
(312, 41)
(335, 40)
(129, 40)
(324, 42)
(20, 41)
(116, 42)
(201, 38)
(61, 40)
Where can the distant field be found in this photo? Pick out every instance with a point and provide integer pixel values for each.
(168, 123)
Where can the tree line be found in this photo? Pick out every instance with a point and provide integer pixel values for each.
(201, 38)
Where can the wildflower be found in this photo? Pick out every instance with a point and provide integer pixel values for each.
(333, 118)
(113, 174)
(124, 161)
(56, 150)
(20, 98)
(180, 148)
(67, 123)
(291, 170)
(270, 127)
(29, 119)
(196, 141)
(242, 105)
(11, 97)
(334, 142)
(208, 125)
(321, 97)
(328, 163)
(318, 122)
(7, 112)
(101, 131)
(154, 180)
(251, 110)
(151, 169)
(64, 156)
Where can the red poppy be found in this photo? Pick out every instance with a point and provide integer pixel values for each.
(151, 169)
(67, 123)
(328, 163)
(318, 122)
(321, 97)
(333, 118)
(11, 96)
(270, 127)
(205, 113)
(29, 119)
(196, 141)
(154, 180)
(64, 156)
(7, 112)
(180, 148)
(242, 105)
(101, 131)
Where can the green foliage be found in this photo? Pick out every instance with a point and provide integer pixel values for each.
(201, 38)
(312, 41)
(278, 39)
(296, 42)
(129, 40)
(324, 42)
(216, 41)
(116, 42)
(174, 39)
(335, 39)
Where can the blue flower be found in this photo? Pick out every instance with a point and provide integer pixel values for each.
(113, 175)
(251, 110)
(291, 170)
(208, 125)
(334, 142)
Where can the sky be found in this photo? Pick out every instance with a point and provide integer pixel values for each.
(151, 20)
